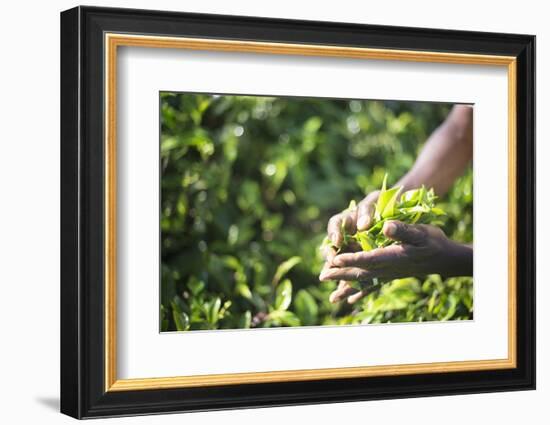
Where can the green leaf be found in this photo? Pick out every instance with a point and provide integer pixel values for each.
(390, 197)
(178, 304)
(169, 144)
(245, 320)
(232, 262)
(326, 243)
(218, 203)
(431, 302)
(410, 198)
(312, 125)
(284, 268)
(195, 285)
(243, 290)
(453, 301)
(224, 309)
(385, 206)
(306, 307)
(285, 318)
(376, 228)
(389, 302)
(384, 183)
(365, 241)
(213, 310)
(352, 206)
(283, 295)
(180, 318)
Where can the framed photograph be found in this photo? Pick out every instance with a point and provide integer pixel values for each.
(261, 212)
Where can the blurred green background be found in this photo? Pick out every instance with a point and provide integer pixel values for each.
(248, 185)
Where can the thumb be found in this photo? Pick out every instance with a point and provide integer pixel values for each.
(406, 233)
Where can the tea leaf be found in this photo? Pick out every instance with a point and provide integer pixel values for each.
(283, 295)
(245, 320)
(413, 206)
(285, 318)
(306, 307)
(213, 311)
(181, 320)
(365, 241)
(284, 268)
(389, 202)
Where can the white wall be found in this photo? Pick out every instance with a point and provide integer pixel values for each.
(29, 225)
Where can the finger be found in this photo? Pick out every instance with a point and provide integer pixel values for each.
(353, 246)
(406, 233)
(364, 216)
(350, 222)
(328, 253)
(335, 224)
(365, 211)
(324, 271)
(357, 296)
(347, 273)
(344, 290)
(377, 258)
(334, 230)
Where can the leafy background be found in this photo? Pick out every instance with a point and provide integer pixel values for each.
(248, 185)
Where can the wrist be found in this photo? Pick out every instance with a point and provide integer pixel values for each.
(459, 260)
(408, 182)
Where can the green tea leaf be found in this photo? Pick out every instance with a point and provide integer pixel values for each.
(245, 320)
(390, 197)
(431, 302)
(410, 198)
(195, 285)
(306, 307)
(413, 206)
(180, 319)
(365, 241)
(381, 203)
(243, 290)
(285, 318)
(352, 206)
(214, 310)
(283, 295)
(326, 243)
(384, 182)
(284, 268)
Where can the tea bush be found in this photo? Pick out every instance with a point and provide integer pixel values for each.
(248, 185)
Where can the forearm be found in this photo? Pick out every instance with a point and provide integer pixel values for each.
(445, 155)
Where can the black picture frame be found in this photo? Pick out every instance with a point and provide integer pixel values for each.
(83, 392)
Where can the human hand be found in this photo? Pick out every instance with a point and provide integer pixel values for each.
(422, 249)
(352, 220)
(358, 219)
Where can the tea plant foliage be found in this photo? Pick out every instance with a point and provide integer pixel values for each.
(248, 185)
(415, 206)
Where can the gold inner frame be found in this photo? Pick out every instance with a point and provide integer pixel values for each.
(113, 41)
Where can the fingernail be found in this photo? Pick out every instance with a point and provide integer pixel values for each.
(337, 261)
(390, 229)
(324, 275)
(363, 223)
(355, 297)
